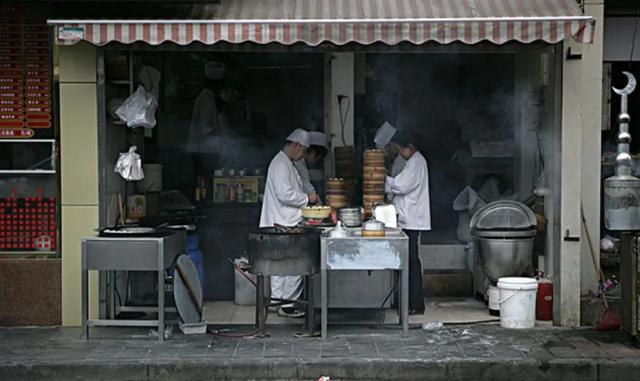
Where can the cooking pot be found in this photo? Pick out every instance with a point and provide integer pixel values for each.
(292, 251)
(373, 228)
(373, 225)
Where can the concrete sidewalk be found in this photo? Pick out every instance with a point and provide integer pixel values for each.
(480, 352)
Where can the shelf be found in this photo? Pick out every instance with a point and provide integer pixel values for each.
(27, 172)
(119, 82)
(27, 141)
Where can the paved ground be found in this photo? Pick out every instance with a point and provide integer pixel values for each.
(479, 352)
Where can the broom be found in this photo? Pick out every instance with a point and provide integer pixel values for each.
(610, 321)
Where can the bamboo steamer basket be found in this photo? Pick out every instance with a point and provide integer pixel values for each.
(373, 233)
(369, 161)
(373, 176)
(338, 205)
(373, 152)
(336, 198)
(366, 165)
(372, 157)
(316, 212)
(339, 181)
(376, 190)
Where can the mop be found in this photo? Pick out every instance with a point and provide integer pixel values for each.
(610, 321)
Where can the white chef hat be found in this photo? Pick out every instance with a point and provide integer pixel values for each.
(214, 70)
(383, 135)
(299, 136)
(317, 138)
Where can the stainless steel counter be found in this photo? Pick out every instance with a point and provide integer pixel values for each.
(129, 254)
(357, 253)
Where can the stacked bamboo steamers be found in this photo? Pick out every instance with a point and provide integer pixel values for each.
(345, 160)
(336, 193)
(373, 176)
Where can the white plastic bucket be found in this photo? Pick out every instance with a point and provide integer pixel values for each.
(517, 302)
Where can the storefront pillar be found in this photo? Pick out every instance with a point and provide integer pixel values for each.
(567, 262)
(592, 58)
(79, 171)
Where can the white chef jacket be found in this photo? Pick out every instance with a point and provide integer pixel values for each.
(301, 166)
(204, 120)
(284, 196)
(410, 189)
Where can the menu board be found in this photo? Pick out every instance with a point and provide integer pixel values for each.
(25, 73)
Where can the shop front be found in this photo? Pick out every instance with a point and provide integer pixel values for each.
(484, 92)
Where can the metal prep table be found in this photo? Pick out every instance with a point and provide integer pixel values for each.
(153, 253)
(366, 253)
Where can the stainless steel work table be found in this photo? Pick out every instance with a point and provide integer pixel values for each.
(154, 253)
(366, 253)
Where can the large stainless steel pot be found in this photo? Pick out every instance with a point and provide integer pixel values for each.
(504, 232)
(294, 252)
(500, 257)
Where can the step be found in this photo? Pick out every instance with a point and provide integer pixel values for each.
(444, 257)
(447, 283)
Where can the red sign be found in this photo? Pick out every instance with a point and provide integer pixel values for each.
(16, 133)
(25, 73)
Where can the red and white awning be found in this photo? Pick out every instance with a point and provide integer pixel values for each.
(344, 21)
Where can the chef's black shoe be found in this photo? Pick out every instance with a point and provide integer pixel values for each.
(290, 312)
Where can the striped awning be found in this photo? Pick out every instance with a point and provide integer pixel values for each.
(345, 21)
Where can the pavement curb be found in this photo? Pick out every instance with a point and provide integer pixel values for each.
(461, 369)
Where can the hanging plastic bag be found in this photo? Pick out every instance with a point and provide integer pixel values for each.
(129, 165)
(490, 191)
(466, 204)
(139, 109)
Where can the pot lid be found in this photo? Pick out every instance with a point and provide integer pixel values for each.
(373, 225)
(505, 234)
(503, 215)
(187, 290)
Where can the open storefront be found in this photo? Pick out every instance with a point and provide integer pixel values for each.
(483, 95)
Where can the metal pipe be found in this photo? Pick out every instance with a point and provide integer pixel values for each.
(261, 308)
(395, 20)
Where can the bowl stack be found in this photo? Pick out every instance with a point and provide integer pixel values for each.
(373, 176)
(350, 217)
(345, 160)
(336, 197)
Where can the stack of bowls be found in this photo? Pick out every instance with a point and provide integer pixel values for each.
(336, 197)
(373, 176)
(350, 217)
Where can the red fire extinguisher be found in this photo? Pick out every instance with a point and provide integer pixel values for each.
(544, 299)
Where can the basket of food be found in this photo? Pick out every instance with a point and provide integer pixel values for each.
(316, 212)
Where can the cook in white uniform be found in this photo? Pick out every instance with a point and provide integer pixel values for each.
(316, 152)
(399, 162)
(410, 189)
(284, 198)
